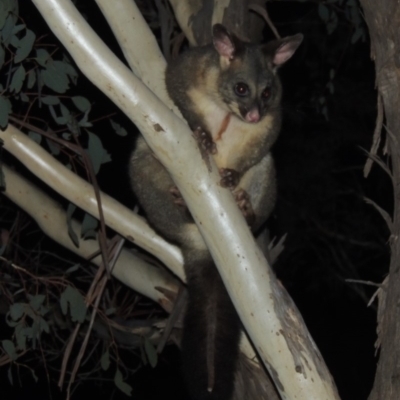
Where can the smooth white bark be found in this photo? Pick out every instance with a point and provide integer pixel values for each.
(138, 44)
(52, 220)
(80, 192)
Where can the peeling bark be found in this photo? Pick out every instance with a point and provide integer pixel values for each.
(383, 19)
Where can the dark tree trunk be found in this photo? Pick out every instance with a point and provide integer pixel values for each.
(383, 19)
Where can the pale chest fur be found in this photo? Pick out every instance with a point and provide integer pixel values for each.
(235, 139)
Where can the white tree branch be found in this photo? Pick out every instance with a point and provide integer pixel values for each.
(138, 44)
(52, 219)
(287, 349)
(78, 191)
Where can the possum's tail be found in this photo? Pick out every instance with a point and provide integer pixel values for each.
(210, 343)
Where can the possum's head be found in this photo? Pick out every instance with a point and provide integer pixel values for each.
(248, 83)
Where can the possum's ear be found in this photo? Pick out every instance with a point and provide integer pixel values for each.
(281, 50)
(227, 44)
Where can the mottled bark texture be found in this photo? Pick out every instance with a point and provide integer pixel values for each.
(383, 19)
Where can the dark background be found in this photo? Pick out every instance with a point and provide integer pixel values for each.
(332, 234)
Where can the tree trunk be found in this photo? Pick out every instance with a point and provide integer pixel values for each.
(383, 19)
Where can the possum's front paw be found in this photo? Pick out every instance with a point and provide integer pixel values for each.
(205, 140)
(244, 203)
(177, 197)
(229, 178)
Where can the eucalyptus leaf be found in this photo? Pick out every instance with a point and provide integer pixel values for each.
(151, 352)
(34, 375)
(17, 79)
(121, 385)
(66, 135)
(81, 103)
(24, 97)
(76, 302)
(28, 332)
(65, 113)
(330, 87)
(53, 146)
(50, 100)
(25, 46)
(83, 123)
(55, 76)
(9, 348)
(57, 119)
(4, 11)
(7, 31)
(36, 301)
(323, 12)
(17, 310)
(106, 158)
(66, 66)
(332, 24)
(119, 130)
(42, 57)
(18, 28)
(36, 137)
(105, 360)
(72, 269)
(43, 325)
(89, 227)
(110, 311)
(96, 151)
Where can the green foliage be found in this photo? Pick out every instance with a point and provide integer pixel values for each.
(29, 323)
(98, 155)
(39, 93)
(119, 130)
(89, 227)
(121, 385)
(76, 302)
(105, 360)
(151, 352)
(36, 77)
(24, 46)
(9, 348)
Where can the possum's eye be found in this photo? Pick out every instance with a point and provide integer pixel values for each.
(266, 93)
(241, 89)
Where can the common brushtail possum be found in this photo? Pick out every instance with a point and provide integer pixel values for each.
(230, 95)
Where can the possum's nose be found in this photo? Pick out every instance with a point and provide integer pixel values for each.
(253, 115)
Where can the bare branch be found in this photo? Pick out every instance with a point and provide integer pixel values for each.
(52, 219)
(81, 193)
